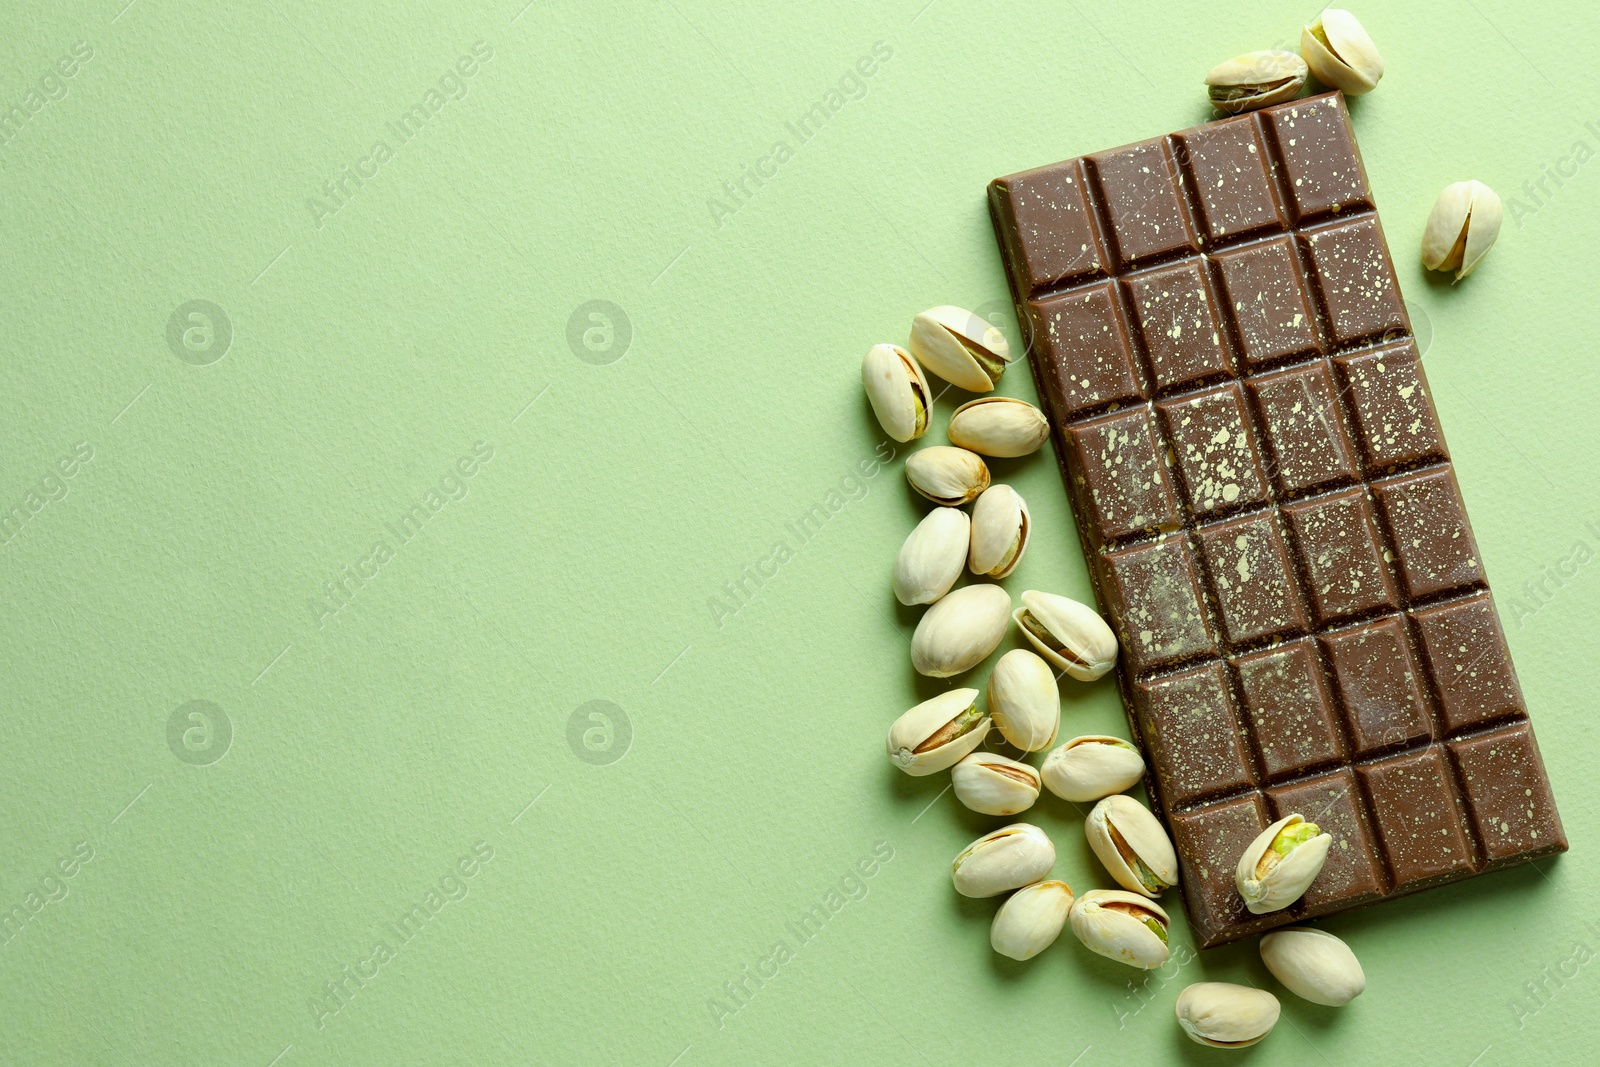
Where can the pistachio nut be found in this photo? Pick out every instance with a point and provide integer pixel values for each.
(994, 785)
(1256, 79)
(1000, 531)
(1071, 636)
(1000, 426)
(1009, 858)
(897, 390)
(1121, 926)
(937, 733)
(1025, 700)
(1462, 226)
(1031, 919)
(1340, 53)
(931, 558)
(960, 631)
(1091, 767)
(945, 475)
(1131, 843)
(1313, 965)
(1281, 864)
(959, 347)
(1224, 1015)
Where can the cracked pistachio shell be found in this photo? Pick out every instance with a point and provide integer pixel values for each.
(1025, 700)
(994, 785)
(1000, 531)
(898, 391)
(1031, 919)
(1313, 965)
(945, 475)
(1274, 873)
(960, 631)
(1009, 858)
(1071, 636)
(932, 556)
(1340, 53)
(1224, 1015)
(937, 733)
(1256, 79)
(960, 347)
(1463, 224)
(1121, 926)
(1000, 426)
(1091, 767)
(1131, 843)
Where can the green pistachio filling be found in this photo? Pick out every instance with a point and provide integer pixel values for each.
(992, 364)
(1293, 837)
(957, 727)
(1156, 928)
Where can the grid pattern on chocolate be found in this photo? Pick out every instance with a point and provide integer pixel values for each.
(1258, 475)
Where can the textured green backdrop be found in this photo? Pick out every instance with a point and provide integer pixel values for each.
(383, 386)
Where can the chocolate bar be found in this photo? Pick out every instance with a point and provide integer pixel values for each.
(1258, 477)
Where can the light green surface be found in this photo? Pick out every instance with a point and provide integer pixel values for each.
(377, 342)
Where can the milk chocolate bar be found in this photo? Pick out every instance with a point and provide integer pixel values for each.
(1259, 479)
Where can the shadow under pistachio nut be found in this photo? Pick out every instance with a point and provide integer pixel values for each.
(1000, 426)
(992, 784)
(1314, 965)
(1000, 531)
(1009, 858)
(1340, 54)
(1091, 767)
(1281, 863)
(1069, 635)
(946, 475)
(937, 733)
(1256, 79)
(897, 390)
(959, 347)
(1462, 226)
(1121, 926)
(1132, 845)
(1224, 1015)
(931, 558)
(1031, 919)
(958, 633)
(1025, 700)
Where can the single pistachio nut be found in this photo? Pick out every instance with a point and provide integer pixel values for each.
(1131, 843)
(1009, 858)
(960, 631)
(937, 733)
(1462, 226)
(1224, 1015)
(1121, 926)
(1000, 426)
(1025, 700)
(945, 475)
(1340, 54)
(1031, 919)
(1256, 79)
(990, 783)
(1313, 965)
(897, 390)
(1071, 636)
(1281, 863)
(960, 347)
(932, 556)
(1091, 767)
(1000, 531)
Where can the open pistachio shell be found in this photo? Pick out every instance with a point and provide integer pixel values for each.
(937, 733)
(897, 390)
(1256, 79)
(1071, 636)
(960, 347)
(1463, 224)
(1131, 843)
(1314, 965)
(1025, 700)
(1000, 426)
(959, 632)
(1031, 919)
(1340, 54)
(946, 475)
(1009, 858)
(932, 556)
(1280, 864)
(992, 784)
(1000, 531)
(1224, 1015)
(1121, 926)
(1091, 767)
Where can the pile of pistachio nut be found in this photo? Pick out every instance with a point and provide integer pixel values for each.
(960, 630)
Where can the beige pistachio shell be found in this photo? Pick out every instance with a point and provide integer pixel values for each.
(1132, 845)
(946, 475)
(1121, 926)
(897, 391)
(1225, 1015)
(932, 556)
(960, 347)
(1025, 700)
(1031, 919)
(1008, 858)
(992, 784)
(1256, 79)
(1270, 880)
(1462, 226)
(1340, 54)
(960, 631)
(1000, 426)
(1071, 636)
(1313, 965)
(937, 733)
(1000, 531)
(1091, 767)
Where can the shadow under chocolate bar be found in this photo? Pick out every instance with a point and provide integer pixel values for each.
(1259, 479)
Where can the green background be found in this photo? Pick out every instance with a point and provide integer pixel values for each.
(245, 851)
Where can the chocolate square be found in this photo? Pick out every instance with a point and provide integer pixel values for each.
(1321, 164)
(1232, 182)
(1289, 709)
(1209, 841)
(1508, 797)
(1084, 330)
(1178, 318)
(1393, 411)
(1253, 575)
(1270, 302)
(1379, 686)
(1123, 479)
(1156, 604)
(1138, 185)
(1048, 226)
(1418, 818)
(1356, 280)
(1342, 553)
(1191, 736)
(1471, 667)
(1428, 527)
(1353, 873)
(1216, 450)
(1300, 410)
